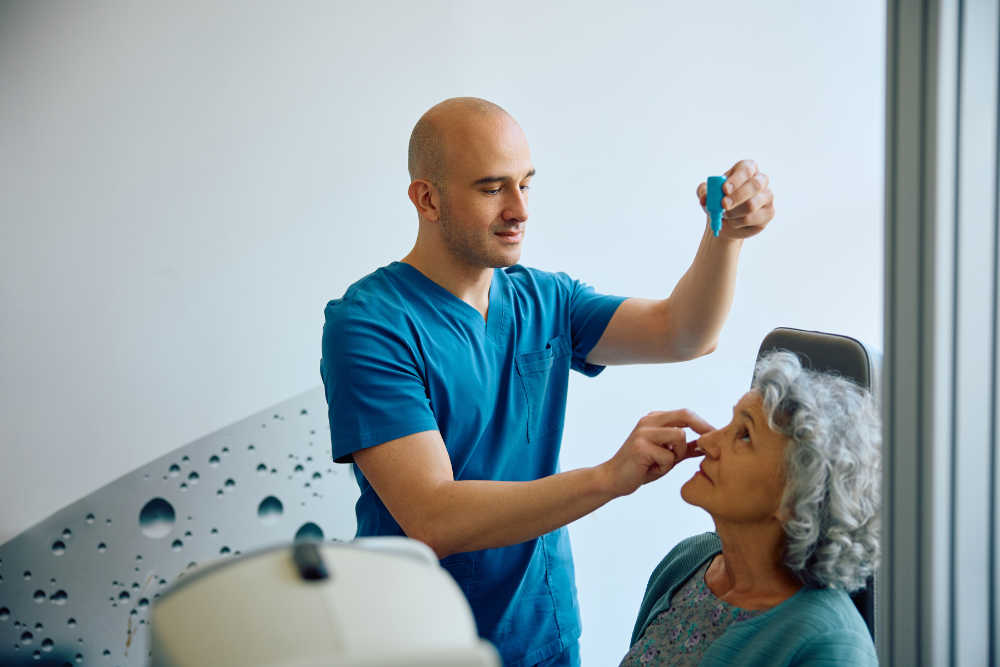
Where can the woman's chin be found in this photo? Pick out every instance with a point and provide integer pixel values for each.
(689, 492)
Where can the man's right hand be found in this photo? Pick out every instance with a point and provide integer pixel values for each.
(656, 444)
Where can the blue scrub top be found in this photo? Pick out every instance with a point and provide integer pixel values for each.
(403, 355)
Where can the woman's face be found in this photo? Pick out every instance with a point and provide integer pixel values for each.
(741, 478)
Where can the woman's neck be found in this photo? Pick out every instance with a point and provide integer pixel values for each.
(750, 573)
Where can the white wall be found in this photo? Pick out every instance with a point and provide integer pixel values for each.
(183, 186)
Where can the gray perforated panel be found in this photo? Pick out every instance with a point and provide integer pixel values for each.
(76, 588)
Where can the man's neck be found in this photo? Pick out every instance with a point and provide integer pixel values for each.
(750, 573)
(470, 284)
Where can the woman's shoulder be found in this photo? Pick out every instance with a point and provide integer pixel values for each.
(816, 626)
(823, 610)
(688, 555)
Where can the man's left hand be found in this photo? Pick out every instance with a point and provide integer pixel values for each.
(748, 202)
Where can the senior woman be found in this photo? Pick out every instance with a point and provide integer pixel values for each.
(793, 485)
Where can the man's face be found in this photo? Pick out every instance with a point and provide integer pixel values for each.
(484, 205)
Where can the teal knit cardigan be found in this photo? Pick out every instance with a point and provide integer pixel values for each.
(814, 627)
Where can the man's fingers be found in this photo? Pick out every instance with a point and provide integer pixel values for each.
(691, 451)
(740, 216)
(745, 194)
(663, 458)
(739, 174)
(681, 418)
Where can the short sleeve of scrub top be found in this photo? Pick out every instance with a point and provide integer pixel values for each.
(402, 355)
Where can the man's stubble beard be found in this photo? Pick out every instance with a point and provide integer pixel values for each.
(469, 246)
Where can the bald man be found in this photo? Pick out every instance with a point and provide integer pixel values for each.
(446, 375)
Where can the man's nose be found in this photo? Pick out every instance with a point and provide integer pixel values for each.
(517, 208)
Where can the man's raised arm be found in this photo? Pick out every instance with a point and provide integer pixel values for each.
(687, 324)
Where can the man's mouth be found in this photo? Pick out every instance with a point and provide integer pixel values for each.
(512, 236)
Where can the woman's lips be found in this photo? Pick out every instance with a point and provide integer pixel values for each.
(702, 473)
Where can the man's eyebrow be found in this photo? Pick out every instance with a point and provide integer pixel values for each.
(499, 179)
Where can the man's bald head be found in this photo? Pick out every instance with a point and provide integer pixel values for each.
(427, 157)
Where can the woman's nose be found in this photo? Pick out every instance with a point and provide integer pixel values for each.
(709, 443)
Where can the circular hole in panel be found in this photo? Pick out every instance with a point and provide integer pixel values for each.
(67, 533)
(225, 450)
(299, 469)
(224, 550)
(186, 459)
(309, 531)
(40, 596)
(58, 548)
(250, 448)
(102, 547)
(269, 511)
(143, 603)
(230, 484)
(26, 638)
(47, 644)
(157, 518)
(108, 521)
(317, 475)
(192, 565)
(215, 531)
(59, 597)
(4, 613)
(79, 657)
(135, 584)
(124, 596)
(220, 492)
(37, 655)
(27, 575)
(261, 469)
(175, 470)
(71, 622)
(187, 535)
(193, 477)
(214, 461)
(274, 471)
(177, 545)
(38, 626)
(107, 653)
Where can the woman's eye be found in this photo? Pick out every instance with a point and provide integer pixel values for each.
(744, 436)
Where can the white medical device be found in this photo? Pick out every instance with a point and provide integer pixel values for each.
(376, 602)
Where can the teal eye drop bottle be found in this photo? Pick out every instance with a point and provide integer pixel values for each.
(713, 202)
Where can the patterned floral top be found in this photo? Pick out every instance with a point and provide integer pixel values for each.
(679, 636)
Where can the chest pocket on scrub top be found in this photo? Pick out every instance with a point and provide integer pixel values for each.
(545, 377)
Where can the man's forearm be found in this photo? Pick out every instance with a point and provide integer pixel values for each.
(473, 515)
(701, 300)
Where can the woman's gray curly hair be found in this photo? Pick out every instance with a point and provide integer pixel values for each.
(833, 471)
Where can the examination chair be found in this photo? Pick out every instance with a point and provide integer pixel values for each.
(851, 359)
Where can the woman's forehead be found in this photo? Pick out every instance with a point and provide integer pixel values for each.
(750, 402)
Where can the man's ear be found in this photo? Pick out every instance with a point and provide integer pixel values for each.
(426, 198)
